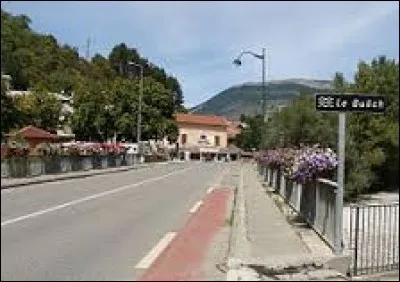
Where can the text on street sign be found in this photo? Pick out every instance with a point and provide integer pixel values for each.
(350, 103)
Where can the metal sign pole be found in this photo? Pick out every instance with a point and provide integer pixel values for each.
(344, 103)
(339, 192)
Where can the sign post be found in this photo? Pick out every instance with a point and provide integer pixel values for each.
(343, 103)
(340, 176)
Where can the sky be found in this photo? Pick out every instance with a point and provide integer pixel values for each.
(197, 41)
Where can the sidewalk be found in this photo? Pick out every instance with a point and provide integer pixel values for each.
(15, 182)
(266, 246)
(269, 233)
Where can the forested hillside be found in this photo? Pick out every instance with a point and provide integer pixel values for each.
(105, 90)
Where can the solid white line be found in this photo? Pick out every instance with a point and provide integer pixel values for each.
(196, 207)
(156, 251)
(88, 198)
(209, 190)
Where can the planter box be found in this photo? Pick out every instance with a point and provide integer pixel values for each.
(5, 168)
(36, 166)
(18, 167)
(111, 160)
(118, 160)
(308, 202)
(282, 184)
(87, 163)
(76, 163)
(99, 161)
(128, 159)
(65, 164)
(51, 164)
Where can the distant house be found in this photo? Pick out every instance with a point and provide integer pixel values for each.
(204, 137)
(34, 136)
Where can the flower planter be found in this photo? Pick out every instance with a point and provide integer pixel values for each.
(127, 159)
(76, 163)
(308, 202)
(65, 164)
(36, 166)
(282, 184)
(5, 168)
(111, 160)
(18, 166)
(118, 160)
(99, 161)
(51, 164)
(87, 163)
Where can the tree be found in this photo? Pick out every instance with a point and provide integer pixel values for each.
(374, 162)
(39, 108)
(10, 115)
(105, 90)
(251, 137)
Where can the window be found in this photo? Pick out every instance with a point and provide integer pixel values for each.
(184, 139)
(216, 139)
(203, 137)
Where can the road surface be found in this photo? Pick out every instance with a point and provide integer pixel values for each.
(98, 228)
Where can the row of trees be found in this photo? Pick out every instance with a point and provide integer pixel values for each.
(105, 91)
(372, 145)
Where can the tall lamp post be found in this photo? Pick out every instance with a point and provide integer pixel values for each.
(262, 57)
(139, 120)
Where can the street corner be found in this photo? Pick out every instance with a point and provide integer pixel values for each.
(186, 254)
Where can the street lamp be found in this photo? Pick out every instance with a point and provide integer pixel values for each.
(238, 62)
(139, 121)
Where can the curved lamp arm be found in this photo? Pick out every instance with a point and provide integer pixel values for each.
(238, 61)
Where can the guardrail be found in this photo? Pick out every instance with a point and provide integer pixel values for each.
(30, 166)
(314, 202)
(372, 233)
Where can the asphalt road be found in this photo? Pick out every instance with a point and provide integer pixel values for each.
(97, 228)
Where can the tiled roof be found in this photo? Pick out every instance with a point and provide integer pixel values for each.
(201, 119)
(36, 133)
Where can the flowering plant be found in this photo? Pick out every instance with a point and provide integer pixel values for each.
(302, 165)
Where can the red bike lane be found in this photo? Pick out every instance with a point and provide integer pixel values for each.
(183, 259)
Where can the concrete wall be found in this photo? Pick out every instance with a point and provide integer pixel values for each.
(194, 132)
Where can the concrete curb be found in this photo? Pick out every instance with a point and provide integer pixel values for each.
(392, 275)
(72, 176)
(238, 245)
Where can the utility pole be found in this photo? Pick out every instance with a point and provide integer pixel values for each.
(139, 118)
(264, 94)
(88, 48)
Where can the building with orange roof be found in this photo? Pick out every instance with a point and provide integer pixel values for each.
(203, 137)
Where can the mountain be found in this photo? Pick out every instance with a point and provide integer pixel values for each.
(247, 98)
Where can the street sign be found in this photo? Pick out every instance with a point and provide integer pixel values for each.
(342, 103)
(350, 103)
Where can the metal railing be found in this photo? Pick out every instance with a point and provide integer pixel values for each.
(314, 202)
(30, 166)
(370, 232)
(372, 237)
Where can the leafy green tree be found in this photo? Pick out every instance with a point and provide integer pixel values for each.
(39, 108)
(105, 90)
(374, 137)
(10, 115)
